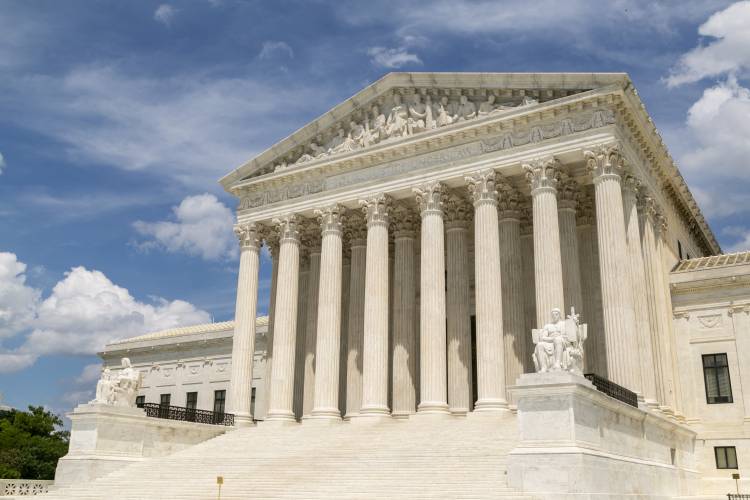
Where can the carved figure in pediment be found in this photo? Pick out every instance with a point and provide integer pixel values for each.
(375, 129)
(280, 166)
(442, 113)
(466, 110)
(337, 140)
(315, 152)
(489, 106)
(429, 122)
(528, 101)
(396, 124)
(357, 135)
(417, 115)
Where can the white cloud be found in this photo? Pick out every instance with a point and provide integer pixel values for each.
(190, 128)
(90, 374)
(202, 227)
(164, 14)
(392, 58)
(18, 301)
(728, 52)
(272, 49)
(2, 163)
(84, 311)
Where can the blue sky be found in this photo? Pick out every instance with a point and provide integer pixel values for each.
(117, 119)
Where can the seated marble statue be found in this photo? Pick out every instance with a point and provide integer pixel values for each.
(429, 120)
(105, 388)
(375, 129)
(559, 344)
(357, 135)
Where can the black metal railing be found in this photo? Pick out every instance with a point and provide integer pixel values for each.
(613, 390)
(187, 414)
(738, 496)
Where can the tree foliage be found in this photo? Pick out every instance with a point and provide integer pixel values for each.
(30, 443)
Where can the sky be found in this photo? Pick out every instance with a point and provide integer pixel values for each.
(117, 118)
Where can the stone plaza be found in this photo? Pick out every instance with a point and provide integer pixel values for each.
(451, 253)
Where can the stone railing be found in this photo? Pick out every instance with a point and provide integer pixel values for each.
(23, 487)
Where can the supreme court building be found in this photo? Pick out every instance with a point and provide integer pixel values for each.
(418, 232)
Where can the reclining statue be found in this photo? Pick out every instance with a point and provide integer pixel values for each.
(559, 344)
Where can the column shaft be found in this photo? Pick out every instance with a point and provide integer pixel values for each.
(356, 322)
(243, 341)
(511, 271)
(433, 373)
(617, 299)
(273, 244)
(488, 294)
(282, 379)
(404, 311)
(548, 278)
(328, 348)
(375, 363)
(345, 286)
(458, 302)
(299, 353)
(529, 294)
(311, 329)
(571, 270)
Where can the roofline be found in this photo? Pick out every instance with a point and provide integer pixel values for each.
(416, 79)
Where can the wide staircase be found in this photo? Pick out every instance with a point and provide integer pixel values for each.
(420, 458)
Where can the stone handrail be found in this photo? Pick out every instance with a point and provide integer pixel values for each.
(24, 487)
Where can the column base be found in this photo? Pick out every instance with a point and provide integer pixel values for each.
(375, 411)
(351, 414)
(487, 404)
(243, 420)
(324, 414)
(459, 412)
(402, 415)
(437, 407)
(280, 416)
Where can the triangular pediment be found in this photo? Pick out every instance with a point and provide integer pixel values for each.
(405, 104)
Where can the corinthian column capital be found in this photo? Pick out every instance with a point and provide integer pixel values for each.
(631, 186)
(604, 162)
(457, 211)
(405, 221)
(330, 218)
(271, 238)
(288, 227)
(481, 187)
(568, 193)
(431, 197)
(509, 204)
(376, 209)
(542, 175)
(356, 228)
(248, 234)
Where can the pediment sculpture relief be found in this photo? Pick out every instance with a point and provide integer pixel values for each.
(402, 119)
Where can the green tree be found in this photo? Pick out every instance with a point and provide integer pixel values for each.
(30, 443)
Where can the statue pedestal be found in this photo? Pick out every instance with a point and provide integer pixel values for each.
(104, 438)
(578, 443)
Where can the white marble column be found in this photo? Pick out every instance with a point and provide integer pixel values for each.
(457, 218)
(567, 203)
(665, 305)
(357, 229)
(488, 288)
(311, 321)
(328, 343)
(375, 349)
(243, 341)
(272, 242)
(644, 359)
(605, 164)
(543, 178)
(344, 349)
(282, 379)
(515, 333)
(433, 372)
(594, 350)
(299, 352)
(404, 312)
(529, 292)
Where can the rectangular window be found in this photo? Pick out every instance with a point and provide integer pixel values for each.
(165, 399)
(219, 400)
(140, 401)
(726, 457)
(716, 378)
(191, 400)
